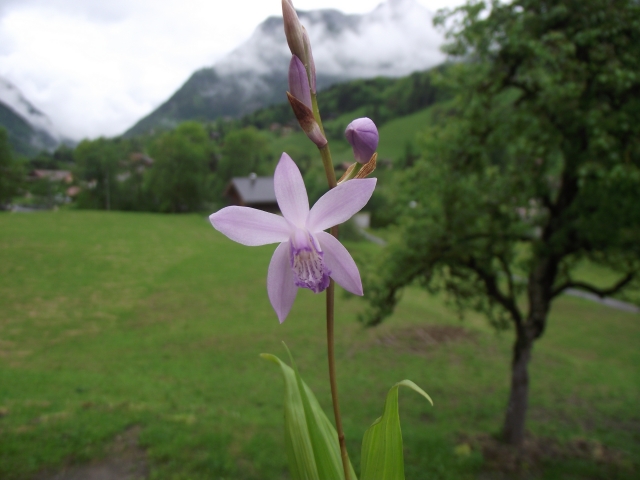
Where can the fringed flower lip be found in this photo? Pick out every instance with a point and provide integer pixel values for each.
(307, 256)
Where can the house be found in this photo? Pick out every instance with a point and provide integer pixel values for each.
(252, 191)
(51, 175)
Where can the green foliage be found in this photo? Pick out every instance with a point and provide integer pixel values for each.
(60, 159)
(536, 169)
(312, 442)
(11, 171)
(536, 159)
(311, 439)
(381, 99)
(180, 179)
(382, 451)
(97, 166)
(245, 151)
(117, 174)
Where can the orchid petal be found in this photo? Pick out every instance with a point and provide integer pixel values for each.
(340, 203)
(291, 192)
(249, 226)
(339, 261)
(280, 287)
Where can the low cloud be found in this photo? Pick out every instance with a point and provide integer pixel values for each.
(96, 67)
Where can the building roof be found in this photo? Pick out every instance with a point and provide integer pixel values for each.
(253, 189)
(53, 175)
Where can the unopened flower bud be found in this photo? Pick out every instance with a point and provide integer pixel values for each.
(298, 81)
(293, 30)
(363, 136)
(310, 63)
(307, 121)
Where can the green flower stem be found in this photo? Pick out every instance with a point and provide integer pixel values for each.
(325, 153)
(332, 372)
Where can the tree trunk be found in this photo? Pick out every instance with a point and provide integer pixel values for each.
(513, 430)
(541, 282)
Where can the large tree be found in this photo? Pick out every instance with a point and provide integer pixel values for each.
(533, 169)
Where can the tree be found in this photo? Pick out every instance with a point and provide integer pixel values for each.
(244, 151)
(180, 179)
(11, 172)
(97, 164)
(535, 170)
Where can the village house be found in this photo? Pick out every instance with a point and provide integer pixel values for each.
(252, 191)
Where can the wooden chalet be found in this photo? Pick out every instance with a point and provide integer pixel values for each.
(252, 191)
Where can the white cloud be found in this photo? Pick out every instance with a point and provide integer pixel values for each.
(96, 67)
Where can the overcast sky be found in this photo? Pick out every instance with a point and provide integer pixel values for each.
(95, 67)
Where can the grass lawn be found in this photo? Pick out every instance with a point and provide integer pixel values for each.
(110, 320)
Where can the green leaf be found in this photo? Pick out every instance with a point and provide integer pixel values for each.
(311, 440)
(382, 457)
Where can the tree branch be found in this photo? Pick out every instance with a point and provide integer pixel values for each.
(507, 271)
(601, 292)
(491, 285)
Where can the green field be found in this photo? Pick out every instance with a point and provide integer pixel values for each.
(114, 320)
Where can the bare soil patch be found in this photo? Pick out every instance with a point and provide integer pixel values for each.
(506, 462)
(125, 460)
(422, 339)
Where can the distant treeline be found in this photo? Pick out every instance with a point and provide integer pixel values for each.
(381, 99)
(187, 169)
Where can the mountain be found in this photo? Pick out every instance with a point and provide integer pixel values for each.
(29, 130)
(393, 40)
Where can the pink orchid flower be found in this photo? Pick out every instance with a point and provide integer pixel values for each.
(307, 255)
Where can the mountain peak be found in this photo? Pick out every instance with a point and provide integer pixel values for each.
(393, 40)
(13, 98)
(29, 129)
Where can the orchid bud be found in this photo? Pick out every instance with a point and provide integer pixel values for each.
(363, 136)
(298, 81)
(310, 63)
(307, 121)
(293, 30)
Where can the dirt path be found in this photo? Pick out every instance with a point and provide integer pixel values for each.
(125, 460)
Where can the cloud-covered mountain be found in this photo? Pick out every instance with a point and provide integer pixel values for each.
(29, 129)
(393, 40)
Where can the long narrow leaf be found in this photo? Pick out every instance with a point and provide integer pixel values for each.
(302, 463)
(382, 456)
(312, 442)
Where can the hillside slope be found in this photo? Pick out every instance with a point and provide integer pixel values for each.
(393, 40)
(29, 129)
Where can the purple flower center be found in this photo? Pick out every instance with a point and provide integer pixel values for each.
(307, 262)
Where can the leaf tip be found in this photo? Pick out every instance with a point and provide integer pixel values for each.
(269, 357)
(415, 388)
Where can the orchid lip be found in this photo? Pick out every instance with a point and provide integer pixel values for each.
(307, 262)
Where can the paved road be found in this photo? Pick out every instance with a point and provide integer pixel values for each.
(608, 301)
